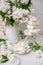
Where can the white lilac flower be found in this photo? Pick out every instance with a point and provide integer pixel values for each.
(13, 1)
(26, 32)
(19, 13)
(34, 30)
(4, 50)
(38, 54)
(24, 1)
(2, 23)
(24, 19)
(9, 12)
(14, 60)
(31, 31)
(4, 6)
(30, 27)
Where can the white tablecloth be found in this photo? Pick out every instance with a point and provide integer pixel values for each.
(28, 59)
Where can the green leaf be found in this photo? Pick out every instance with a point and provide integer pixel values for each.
(10, 21)
(2, 14)
(11, 4)
(4, 59)
(22, 34)
(31, 44)
(37, 47)
(4, 56)
(34, 46)
(41, 48)
(29, 3)
(3, 40)
(24, 6)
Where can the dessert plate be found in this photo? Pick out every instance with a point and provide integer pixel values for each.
(22, 48)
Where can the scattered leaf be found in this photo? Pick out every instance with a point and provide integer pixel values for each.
(4, 59)
(22, 34)
(2, 14)
(34, 46)
(2, 40)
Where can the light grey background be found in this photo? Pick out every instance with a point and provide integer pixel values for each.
(38, 6)
(30, 59)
